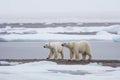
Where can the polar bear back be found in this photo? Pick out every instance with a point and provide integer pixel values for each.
(83, 46)
(57, 46)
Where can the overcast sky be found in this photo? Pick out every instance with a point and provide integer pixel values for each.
(102, 9)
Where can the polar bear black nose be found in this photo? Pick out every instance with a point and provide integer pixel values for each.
(62, 44)
(44, 46)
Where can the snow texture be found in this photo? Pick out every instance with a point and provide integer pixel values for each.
(102, 33)
(46, 70)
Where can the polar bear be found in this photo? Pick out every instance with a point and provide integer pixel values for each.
(75, 48)
(55, 49)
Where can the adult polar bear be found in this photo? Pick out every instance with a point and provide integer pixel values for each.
(75, 48)
(55, 49)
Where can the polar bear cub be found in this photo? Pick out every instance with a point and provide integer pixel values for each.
(75, 48)
(55, 50)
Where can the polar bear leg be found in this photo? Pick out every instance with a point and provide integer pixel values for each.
(83, 56)
(55, 55)
(71, 54)
(90, 56)
(50, 54)
(76, 54)
(62, 54)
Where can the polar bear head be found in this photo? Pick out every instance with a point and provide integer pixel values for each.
(68, 44)
(47, 45)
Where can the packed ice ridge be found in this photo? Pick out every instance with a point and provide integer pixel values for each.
(49, 33)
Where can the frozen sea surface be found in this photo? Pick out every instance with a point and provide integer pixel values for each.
(50, 33)
(28, 42)
(46, 70)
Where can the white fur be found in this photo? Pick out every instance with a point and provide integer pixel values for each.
(55, 49)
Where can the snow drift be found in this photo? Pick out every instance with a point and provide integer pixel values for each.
(46, 70)
(50, 33)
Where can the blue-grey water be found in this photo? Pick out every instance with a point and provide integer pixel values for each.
(34, 50)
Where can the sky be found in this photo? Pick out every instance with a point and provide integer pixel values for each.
(84, 9)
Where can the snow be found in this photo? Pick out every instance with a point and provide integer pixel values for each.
(8, 63)
(46, 70)
(4, 62)
(22, 30)
(104, 33)
(113, 28)
(117, 38)
(49, 33)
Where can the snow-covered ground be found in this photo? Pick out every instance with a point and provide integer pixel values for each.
(8, 63)
(46, 70)
(49, 33)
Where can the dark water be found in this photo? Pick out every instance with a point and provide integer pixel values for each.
(35, 50)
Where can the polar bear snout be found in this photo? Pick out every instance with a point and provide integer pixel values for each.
(63, 44)
(44, 46)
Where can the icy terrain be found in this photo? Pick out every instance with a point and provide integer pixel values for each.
(49, 33)
(5, 63)
(46, 70)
